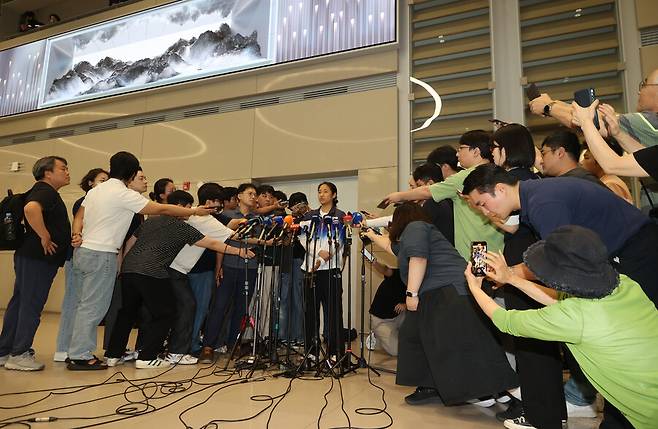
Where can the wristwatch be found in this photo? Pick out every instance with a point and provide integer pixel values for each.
(411, 294)
(547, 108)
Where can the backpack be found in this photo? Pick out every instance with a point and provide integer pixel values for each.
(12, 205)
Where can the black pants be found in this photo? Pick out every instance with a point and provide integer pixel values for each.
(157, 296)
(110, 318)
(613, 418)
(539, 367)
(638, 259)
(328, 291)
(180, 338)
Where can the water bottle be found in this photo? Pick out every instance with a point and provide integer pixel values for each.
(10, 229)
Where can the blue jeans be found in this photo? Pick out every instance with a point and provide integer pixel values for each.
(33, 281)
(579, 393)
(292, 303)
(201, 285)
(68, 306)
(95, 273)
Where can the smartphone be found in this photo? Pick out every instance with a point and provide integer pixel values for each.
(369, 256)
(532, 92)
(584, 98)
(365, 213)
(478, 253)
(382, 205)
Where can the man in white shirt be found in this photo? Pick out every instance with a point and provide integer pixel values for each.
(98, 231)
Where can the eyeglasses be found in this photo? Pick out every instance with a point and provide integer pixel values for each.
(644, 83)
(463, 146)
(544, 152)
(499, 123)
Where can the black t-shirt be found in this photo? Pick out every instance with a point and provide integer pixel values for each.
(159, 239)
(442, 217)
(390, 292)
(136, 221)
(581, 173)
(76, 206)
(550, 203)
(648, 160)
(57, 223)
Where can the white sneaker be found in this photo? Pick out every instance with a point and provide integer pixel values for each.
(3, 360)
(222, 349)
(484, 403)
(60, 356)
(114, 361)
(156, 363)
(181, 359)
(518, 423)
(24, 362)
(129, 355)
(503, 399)
(371, 341)
(588, 411)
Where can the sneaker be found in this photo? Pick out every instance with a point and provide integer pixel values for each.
(111, 362)
(483, 402)
(588, 411)
(514, 410)
(3, 360)
(207, 355)
(181, 359)
(222, 349)
(503, 399)
(130, 355)
(518, 423)
(371, 341)
(423, 395)
(24, 362)
(60, 356)
(156, 363)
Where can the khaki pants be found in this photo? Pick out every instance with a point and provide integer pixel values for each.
(386, 332)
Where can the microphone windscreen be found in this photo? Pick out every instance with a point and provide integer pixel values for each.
(357, 218)
(288, 220)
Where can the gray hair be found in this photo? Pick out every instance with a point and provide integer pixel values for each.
(47, 163)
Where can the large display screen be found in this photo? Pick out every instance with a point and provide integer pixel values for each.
(182, 41)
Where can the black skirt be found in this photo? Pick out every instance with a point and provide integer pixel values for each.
(447, 345)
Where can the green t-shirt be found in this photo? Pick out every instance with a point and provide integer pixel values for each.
(614, 339)
(642, 126)
(470, 225)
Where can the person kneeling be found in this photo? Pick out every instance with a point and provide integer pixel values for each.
(605, 319)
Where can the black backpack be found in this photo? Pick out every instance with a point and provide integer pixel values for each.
(12, 233)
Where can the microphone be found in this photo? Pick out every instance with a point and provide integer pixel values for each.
(315, 220)
(357, 218)
(327, 220)
(251, 224)
(347, 219)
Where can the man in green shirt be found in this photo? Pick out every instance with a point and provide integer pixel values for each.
(470, 225)
(605, 319)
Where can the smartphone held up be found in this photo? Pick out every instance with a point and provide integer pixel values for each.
(478, 255)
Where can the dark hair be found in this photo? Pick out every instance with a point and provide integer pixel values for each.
(159, 188)
(47, 163)
(566, 139)
(90, 177)
(518, 144)
(296, 198)
(280, 195)
(403, 216)
(428, 171)
(265, 189)
(333, 189)
(244, 186)
(180, 198)
(485, 178)
(444, 155)
(57, 18)
(124, 166)
(612, 143)
(210, 191)
(229, 192)
(479, 139)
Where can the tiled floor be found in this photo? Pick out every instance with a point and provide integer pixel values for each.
(215, 396)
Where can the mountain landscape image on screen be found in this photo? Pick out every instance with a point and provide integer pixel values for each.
(209, 51)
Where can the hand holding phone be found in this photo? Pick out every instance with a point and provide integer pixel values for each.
(369, 256)
(532, 92)
(585, 98)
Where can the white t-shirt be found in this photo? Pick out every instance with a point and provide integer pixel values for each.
(189, 255)
(109, 209)
(335, 261)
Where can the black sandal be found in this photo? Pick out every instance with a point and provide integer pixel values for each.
(92, 364)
